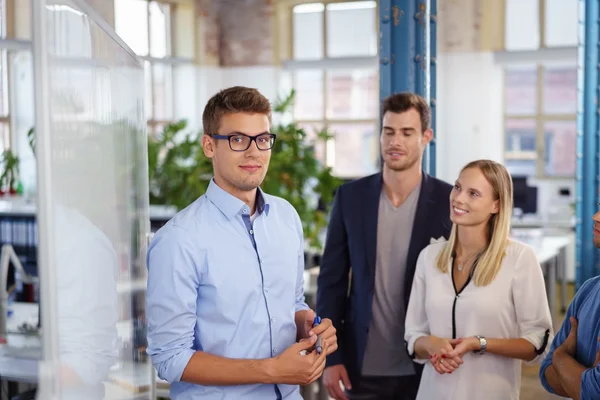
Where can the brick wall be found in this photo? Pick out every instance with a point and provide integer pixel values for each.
(237, 33)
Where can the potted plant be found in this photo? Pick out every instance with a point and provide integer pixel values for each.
(10, 173)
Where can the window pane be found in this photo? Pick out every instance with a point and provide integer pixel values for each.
(309, 102)
(131, 23)
(159, 29)
(561, 148)
(560, 90)
(520, 136)
(162, 91)
(352, 94)
(520, 91)
(5, 135)
(4, 109)
(148, 86)
(562, 19)
(351, 29)
(308, 31)
(354, 151)
(522, 25)
(312, 131)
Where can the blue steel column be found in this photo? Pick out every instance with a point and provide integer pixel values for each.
(407, 40)
(433, 85)
(587, 141)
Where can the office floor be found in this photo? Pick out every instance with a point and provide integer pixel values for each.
(531, 388)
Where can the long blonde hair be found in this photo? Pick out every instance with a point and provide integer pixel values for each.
(490, 260)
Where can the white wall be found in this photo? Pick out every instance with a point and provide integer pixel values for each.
(469, 111)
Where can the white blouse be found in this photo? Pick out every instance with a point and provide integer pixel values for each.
(513, 306)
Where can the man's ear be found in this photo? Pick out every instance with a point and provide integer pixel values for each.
(208, 145)
(427, 136)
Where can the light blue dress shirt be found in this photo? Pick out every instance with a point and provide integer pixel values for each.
(226, 284)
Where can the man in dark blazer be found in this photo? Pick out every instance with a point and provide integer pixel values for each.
(378, 226)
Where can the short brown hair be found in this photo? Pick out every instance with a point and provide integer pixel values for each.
(236, 99)
(402, 102)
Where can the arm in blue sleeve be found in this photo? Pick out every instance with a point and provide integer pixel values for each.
(560, 337)
(300, 297)
(562, 334)
(590, 384)
(173, 281)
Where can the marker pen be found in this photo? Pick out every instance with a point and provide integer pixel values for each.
(318, 345)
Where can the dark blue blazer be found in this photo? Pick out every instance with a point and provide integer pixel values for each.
(351, 247)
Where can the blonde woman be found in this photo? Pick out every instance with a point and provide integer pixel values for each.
(478, 304)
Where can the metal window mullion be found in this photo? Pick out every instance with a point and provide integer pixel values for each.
(542, 22)
(290, 16)
(4, 16)
(324, 21)
(325, 85)
(150, 64)
(169, 78)
(10, 102)
(540, 145)
(171, 75)
(169, 28)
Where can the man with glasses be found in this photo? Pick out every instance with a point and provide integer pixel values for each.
(225, 300)
(572, 367)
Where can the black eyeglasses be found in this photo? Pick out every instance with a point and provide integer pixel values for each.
(241, 142)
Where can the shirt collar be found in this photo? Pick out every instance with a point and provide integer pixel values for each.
(231, 205)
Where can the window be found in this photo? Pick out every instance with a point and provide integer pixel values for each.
(535, 24)
(335, 75)
(5, 137)
(148, 27)
(540, 120)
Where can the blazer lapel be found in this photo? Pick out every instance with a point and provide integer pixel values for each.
(418, 239)
(370, 212)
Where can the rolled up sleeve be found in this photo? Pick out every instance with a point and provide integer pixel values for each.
(173, 281)
(531, 304)
(417, 323)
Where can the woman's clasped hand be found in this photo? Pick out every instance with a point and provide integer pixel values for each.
(446, 354)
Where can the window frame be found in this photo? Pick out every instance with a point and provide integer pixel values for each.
(325, 65)
(6, 45)
(541, 6)
(171, 61)
(540, 119)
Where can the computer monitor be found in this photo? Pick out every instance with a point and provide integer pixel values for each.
(524, 196)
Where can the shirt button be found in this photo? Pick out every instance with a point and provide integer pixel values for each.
(275, 350)
(251, 232)
(267, 290)
(272, 319)
(244, 210)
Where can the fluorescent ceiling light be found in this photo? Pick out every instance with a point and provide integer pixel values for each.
(351, 5)
(309, 8)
